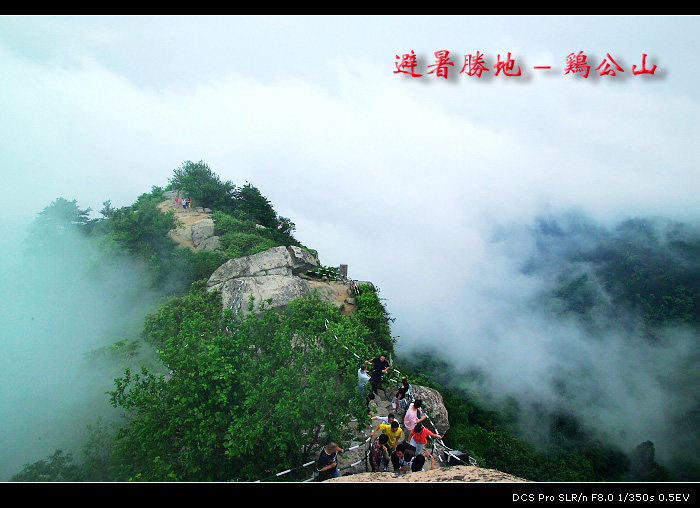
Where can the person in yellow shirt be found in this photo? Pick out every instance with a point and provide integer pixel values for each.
(393, 432)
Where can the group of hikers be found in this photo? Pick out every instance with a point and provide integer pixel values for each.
(407, 455)
(184, 202)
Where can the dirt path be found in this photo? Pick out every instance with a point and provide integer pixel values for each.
(180, 235)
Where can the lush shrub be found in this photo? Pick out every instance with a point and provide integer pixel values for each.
(200, 183)
(221, 413)
(374, 316)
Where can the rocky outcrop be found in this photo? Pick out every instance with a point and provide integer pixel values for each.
(434, 407)
(286, 261)
(337, 293)
(202, 234)
(196, 229)
(270, 277)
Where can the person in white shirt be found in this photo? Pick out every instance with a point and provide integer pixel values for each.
(362, 379)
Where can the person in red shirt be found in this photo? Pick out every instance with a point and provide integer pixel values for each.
(419, 437)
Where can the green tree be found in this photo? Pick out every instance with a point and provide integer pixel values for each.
(171, 318)
(142, 230)
(300, 384)
(245, 398)
(257, 207)
(237, 245)
(643, 467)
(56, 221)
(56, 468)
(98, 460)
(285, 226)
(374, 316)
(200, 265)
(200, 183)
(107, 210)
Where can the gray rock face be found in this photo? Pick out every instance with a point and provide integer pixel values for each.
(276, 261)
(434, 407)
(269, 275)
(273, 290)
(211, 243)
(202, 233)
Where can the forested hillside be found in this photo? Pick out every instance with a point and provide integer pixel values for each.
(212, 396)
(198, 386)
(627, 297)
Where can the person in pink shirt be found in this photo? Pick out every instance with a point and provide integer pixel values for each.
(419, 437)
(414, 415)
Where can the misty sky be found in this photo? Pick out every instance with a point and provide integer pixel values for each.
(401, 178)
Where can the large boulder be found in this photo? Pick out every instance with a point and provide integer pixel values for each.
(281, 260)
(269, 275)
(273, 290)
(202, 234)
(211, 243)
(434, 407)
(196, 234)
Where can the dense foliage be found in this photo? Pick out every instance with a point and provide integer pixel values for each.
(200, 183)
(230, 398)
(641, 276)
(245, 398)
(649, 267)
(56, 468)
(374, 315)
(241, 236)
(245, 203)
